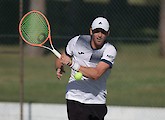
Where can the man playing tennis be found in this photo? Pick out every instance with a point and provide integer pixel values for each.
(93, 57)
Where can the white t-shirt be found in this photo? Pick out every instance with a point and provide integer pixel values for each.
(88, 91)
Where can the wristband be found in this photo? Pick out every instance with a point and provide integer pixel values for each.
(58, 69)
(75, 66)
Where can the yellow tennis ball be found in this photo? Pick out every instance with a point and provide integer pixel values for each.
(78, 76)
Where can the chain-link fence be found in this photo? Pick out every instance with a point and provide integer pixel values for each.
(131, 20)
(137, 78)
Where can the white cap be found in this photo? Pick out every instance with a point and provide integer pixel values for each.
(100, 22)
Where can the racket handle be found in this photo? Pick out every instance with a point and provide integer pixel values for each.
(56, 53)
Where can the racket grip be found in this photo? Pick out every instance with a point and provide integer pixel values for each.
(56, 53)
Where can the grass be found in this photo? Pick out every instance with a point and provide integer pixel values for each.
(137, 78)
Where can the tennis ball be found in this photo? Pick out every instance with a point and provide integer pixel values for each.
(78, 76)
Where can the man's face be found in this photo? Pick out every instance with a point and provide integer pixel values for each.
(98, 37)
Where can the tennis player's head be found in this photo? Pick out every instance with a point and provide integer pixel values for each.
(100, 23)
(99, 31)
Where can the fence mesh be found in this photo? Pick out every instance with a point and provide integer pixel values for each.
(137, 78)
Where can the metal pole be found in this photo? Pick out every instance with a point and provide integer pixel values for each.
(21, 64)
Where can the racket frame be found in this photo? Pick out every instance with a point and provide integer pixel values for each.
(49, 36)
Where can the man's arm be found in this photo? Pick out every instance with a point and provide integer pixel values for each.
(59, 67)
(94, 73)
(90, 72)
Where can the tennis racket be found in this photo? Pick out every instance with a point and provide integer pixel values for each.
(34, 29)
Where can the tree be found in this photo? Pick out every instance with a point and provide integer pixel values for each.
(162, 29)
(35, 5)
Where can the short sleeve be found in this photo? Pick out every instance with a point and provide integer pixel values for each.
(109, 55)
(71, 46)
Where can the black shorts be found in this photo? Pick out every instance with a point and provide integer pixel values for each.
(80, 111)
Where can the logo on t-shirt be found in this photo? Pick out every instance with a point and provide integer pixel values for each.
(111, 57)
(80, 53)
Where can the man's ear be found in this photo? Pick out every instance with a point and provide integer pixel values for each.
(90, 31)
(108, 33)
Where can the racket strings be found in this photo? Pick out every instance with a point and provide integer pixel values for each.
(34, 28)
(24, 26)
(42, 21)
(27, 35)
